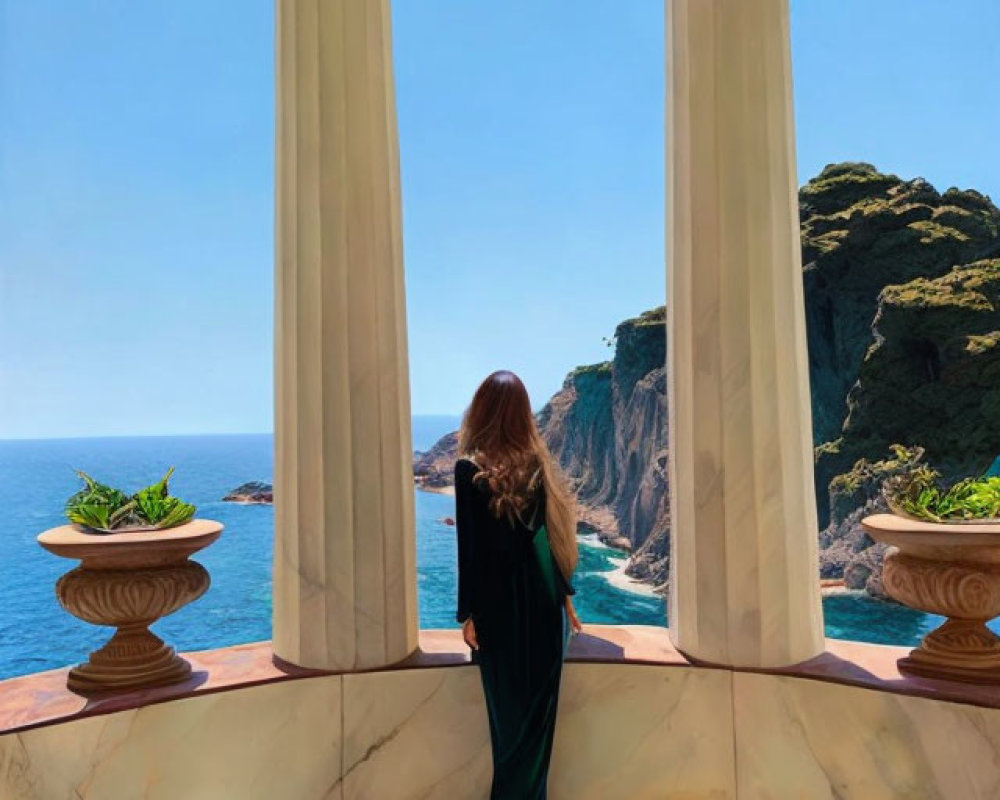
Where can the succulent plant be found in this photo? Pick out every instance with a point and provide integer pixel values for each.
(106, 508)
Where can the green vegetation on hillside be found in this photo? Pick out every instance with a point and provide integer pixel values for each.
(920, 494)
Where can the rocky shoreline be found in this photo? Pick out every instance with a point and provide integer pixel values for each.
(251, 493)
(598, 521)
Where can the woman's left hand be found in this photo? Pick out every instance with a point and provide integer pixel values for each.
(469, 633)
(574, 620)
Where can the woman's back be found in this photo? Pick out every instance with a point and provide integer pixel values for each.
(513, 515)
(501, 533)
(508, 585)
(498, 547)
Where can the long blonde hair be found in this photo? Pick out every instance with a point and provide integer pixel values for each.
(499, 433)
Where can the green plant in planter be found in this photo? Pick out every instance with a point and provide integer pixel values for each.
(103, 507)
(97, 505)
(920, 494)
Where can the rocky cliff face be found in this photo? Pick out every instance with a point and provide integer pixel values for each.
(846, 551)
(930, 377)
(578, 425)
(435, 469)
(902, 348)
(608, 428)
(863, 230)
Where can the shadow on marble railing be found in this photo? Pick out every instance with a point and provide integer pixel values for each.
(40, 699)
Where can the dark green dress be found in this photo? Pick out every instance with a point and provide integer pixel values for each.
(512, 587)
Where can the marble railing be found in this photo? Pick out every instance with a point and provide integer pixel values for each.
(636, 720)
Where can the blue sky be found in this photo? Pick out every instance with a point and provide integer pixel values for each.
(136, 177)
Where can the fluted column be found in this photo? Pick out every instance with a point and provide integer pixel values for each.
(744, 579)
(345, 593)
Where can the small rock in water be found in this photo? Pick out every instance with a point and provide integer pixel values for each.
(447, 520)
(252, 492)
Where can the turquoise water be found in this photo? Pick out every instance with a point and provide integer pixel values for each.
(37, 476)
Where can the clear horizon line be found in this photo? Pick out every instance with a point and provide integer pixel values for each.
(75, 437)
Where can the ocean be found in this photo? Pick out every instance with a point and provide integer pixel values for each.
(36, 477)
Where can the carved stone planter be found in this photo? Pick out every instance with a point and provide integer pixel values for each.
(130, 580)
(952, 570)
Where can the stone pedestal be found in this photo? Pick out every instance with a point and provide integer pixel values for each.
(744, 574)
(345, 594)
(128, 581)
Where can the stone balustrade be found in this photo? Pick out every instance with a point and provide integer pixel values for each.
(636, 720)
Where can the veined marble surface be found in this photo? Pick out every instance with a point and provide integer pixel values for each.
(805, 739)
(622, 734)
(421, 733)
(626, 731)
(345, 560)
(743, 586)
(274, 741)
(642, 733)
(43, 699)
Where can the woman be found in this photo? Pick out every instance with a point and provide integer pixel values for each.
(516, 525)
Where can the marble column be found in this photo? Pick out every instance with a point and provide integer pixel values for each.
(345, 595)
(744, 578)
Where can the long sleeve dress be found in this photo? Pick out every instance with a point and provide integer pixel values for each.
(510, 584)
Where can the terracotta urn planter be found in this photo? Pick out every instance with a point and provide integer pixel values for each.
(128, 581)
(950, 569)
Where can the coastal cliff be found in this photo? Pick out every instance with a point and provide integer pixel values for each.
(902, 302)
(434, 471)
(863, 230)
(936, 346)
(607, 427)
